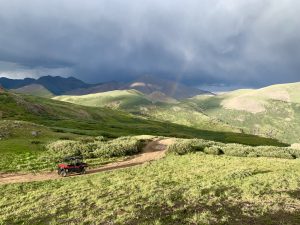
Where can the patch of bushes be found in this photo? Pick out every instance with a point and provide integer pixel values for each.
(180, 148)
(101, 138)
(183, 146)
(98, 147)
(213, 150)
(119, 147)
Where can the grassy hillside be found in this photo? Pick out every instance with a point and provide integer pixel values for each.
(36, 90)
(189, 189)
(20, 151)
(134, 102)
(193, 188)
(273, 111)
(94, 121)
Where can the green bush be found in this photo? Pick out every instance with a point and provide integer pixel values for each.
(69, 148)
(212, 150)
(119, 147)
(200, 147)
(86, 139)
(183, 146)
(252, 155)
(234, 151)
(180, 148)
(101, 138)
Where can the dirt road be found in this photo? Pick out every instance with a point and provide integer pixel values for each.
(153, 151)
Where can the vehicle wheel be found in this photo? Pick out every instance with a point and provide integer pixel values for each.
(82, 171)
(63, 173)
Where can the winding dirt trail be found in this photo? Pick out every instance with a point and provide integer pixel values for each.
(153, 151)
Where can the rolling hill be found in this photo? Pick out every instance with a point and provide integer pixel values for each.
(183, 112)
(157, 106)
(86, 120)
(272, 111)
(36, 90)
(109, 86)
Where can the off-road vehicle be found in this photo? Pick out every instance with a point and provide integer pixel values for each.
(71, 165)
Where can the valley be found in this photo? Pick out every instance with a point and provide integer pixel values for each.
(226, 153)
(149, 112)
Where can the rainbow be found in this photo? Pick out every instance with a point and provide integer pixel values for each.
(179, 76)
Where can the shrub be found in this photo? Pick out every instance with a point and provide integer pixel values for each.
(234, 151)
(66, 148)
(101, 138)
(86, 139)
(119, 147)
(200, 147)
(252, 155)
(212, 150)
(180, 148)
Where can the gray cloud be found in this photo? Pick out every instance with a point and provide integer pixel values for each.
(245, 44)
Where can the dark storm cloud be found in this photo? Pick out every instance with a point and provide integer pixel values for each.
(249, 43)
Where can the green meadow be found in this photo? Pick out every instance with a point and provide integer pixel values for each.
(215, 173)
(195, 188)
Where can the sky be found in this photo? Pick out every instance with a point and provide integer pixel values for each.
(215, 45)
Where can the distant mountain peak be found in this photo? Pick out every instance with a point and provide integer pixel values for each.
(73, 78)
(148, 84)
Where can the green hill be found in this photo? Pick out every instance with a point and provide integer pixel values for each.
(85, 120)
(57, 120)
(36, 90)
(273, 111)
(152, 106)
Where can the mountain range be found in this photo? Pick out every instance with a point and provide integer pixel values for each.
(272, 112)
(71, 86)
(56, 85)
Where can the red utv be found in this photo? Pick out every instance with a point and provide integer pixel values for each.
(72, 164)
